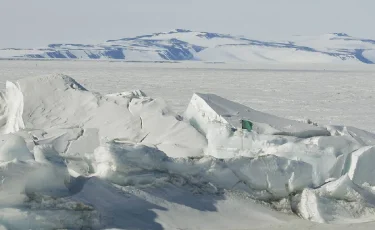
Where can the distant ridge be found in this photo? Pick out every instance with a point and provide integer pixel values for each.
(187, 45)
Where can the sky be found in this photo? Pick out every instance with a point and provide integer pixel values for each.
(36, 23)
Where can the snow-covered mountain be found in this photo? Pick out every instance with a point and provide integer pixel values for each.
(181, 45)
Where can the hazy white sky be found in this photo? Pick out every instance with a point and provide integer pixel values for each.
(33, 23)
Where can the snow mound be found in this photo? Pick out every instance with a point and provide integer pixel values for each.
(59, 102)
(63, 146)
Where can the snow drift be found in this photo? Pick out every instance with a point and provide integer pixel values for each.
(63, 145)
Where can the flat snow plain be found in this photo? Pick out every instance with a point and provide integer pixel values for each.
(325, 94)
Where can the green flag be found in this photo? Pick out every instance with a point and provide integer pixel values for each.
(247, 125)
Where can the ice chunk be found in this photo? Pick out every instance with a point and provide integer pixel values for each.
(50, 213)
(278, 176)
(338, 201)
(51, 179)
(362, 137)
(165, 129)
(15, 148)
(12, 104)
(87, 142)
(361, 166)
(204, 109)
(14, 176)
(116, 161)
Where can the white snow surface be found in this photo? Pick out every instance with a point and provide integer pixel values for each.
(72, 158)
